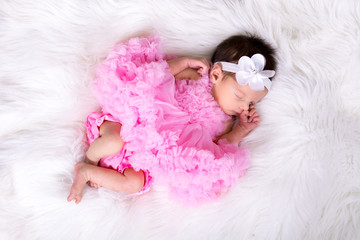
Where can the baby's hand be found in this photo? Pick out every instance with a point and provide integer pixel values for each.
(177, 65)
(201, 64)
(249, 119)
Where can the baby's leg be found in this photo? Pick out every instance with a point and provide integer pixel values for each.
(129, 182)
(108, 143)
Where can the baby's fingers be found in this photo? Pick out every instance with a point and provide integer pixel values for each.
(206, 63)
(253, 116)
(201, 64)
(244, 116)
(252, 110)
(255, 120)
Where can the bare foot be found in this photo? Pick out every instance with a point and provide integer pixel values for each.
(81, 177)
(95, 163)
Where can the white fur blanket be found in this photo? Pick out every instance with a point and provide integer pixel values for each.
(304, 179)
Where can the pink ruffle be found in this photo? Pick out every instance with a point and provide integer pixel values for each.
(169, 126)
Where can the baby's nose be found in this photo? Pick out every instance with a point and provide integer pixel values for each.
(244, 106)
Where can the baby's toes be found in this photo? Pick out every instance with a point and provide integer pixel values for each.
(78, 198)
(73, 196)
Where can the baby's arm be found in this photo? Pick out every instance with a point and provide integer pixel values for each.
(188, 74)
(248, 120)
(185, 66)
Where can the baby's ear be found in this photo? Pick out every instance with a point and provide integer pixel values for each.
(216, 74)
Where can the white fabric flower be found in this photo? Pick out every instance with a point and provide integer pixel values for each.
(251, 71)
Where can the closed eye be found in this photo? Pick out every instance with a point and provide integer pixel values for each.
(238, 96)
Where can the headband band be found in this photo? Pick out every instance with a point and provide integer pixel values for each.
(250, 71)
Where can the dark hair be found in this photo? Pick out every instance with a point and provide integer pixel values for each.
(234, 47)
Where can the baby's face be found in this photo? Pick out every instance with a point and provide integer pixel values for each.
(234, 98)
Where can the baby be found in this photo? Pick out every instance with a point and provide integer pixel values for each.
(176, 132)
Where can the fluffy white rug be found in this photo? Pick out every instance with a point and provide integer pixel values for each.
(304, 181)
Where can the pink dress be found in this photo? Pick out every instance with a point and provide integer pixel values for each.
(169, 126)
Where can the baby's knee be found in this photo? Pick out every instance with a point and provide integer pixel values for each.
(114, 143)
(135, 180)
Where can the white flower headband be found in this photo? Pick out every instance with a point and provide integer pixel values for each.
(250, 71)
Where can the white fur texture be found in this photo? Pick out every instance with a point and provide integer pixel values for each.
(304, 181)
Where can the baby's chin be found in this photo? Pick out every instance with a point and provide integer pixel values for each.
(230, 112)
